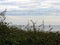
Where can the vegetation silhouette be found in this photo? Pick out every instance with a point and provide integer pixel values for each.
(11, 35)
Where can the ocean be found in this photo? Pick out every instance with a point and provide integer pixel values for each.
(46, 27)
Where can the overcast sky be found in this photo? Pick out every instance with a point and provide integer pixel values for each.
(19, 11)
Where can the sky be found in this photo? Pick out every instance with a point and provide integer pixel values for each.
(20, 11)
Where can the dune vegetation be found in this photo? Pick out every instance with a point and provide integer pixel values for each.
(10, 35)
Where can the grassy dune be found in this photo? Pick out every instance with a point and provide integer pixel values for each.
(11, 35)
(14, 36)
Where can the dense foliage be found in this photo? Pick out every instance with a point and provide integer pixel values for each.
(14, 36)
(10, 35)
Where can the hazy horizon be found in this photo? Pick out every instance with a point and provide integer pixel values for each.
(23, 20)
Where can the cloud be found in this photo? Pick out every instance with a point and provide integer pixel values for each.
(32, 7)
(9, 7)
(35, 12)
(30, 4)
(20, 3)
